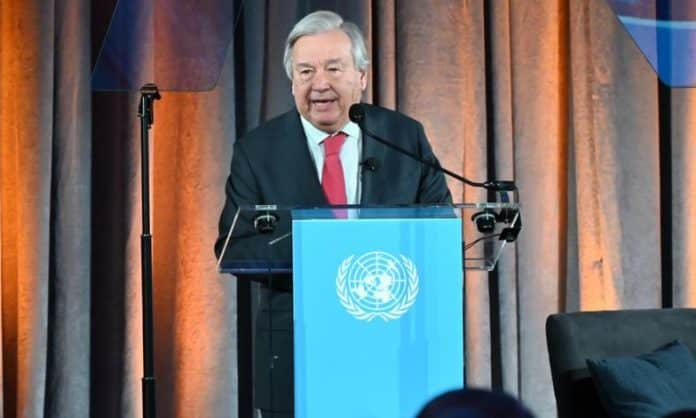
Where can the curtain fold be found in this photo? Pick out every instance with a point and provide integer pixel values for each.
(501, 130)
(69, 280)
(539, 127)
(556, 93)
(26, 111)
(684, 196)
(616, 157)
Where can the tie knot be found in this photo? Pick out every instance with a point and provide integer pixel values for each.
(333, 144)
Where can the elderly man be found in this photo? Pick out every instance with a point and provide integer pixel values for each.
(312, 156)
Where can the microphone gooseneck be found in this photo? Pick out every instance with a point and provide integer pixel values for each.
(356, 113)
(485, 220)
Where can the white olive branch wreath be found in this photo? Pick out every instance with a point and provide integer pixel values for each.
(359, 313)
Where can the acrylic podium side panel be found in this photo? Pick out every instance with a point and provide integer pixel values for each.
(378, 315)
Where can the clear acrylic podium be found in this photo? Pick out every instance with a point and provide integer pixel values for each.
(377, 296)
(260, 239)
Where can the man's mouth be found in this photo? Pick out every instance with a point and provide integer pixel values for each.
(322, 104)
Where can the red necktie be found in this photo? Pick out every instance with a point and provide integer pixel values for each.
(332, 180)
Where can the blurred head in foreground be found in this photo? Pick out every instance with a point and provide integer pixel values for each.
(474, 403)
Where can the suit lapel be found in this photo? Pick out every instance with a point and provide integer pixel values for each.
(294, 154)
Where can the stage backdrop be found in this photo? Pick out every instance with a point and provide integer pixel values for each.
(553, 94)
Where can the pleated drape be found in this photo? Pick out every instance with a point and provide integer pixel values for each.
(45, 154)
(553, 94)
(683, 147)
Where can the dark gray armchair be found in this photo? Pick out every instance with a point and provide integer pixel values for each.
(574, 337)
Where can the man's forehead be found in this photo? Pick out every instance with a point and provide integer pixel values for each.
(333, 42)
(313, 62)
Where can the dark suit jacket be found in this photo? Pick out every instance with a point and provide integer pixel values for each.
(272, 164)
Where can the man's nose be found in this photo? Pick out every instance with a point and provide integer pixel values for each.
(320, 81)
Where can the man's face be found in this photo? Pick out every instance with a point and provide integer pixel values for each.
(325, 82)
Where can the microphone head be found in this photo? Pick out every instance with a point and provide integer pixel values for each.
(500, 185)
(356, 113)
(265, 223)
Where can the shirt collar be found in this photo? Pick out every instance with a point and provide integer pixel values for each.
(317, 136)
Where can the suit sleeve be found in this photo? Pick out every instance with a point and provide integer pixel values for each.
(240, 189)
(432, 187)
(243, 188)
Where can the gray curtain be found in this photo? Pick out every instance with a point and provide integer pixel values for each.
(45, 207)
(565, 104)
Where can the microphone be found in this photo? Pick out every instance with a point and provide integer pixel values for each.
(485, 221)
(370, 164)
(356, 113)
(265, 222)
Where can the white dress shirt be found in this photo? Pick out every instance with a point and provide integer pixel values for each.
(350, 155)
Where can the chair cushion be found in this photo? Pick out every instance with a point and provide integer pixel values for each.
(649, 385)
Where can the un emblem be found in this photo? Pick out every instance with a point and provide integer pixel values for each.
(377, 284)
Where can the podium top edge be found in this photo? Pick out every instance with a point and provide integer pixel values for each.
(477, 205)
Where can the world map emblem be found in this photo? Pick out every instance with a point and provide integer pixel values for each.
(377, 284)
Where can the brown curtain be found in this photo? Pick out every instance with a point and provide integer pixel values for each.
(554, 94)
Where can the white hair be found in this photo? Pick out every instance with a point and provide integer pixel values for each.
(325, 21)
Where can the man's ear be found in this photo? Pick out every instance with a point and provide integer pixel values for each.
(363, 80)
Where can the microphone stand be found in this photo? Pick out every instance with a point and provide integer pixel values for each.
(148, 94)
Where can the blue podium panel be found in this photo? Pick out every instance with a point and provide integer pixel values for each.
(378, 314)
